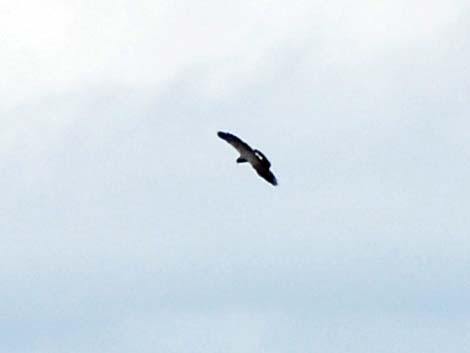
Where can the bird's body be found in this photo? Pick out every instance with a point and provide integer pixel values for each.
(256, 158)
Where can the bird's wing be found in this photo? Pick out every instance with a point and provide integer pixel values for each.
(239, 145)
(262, 158)
(265, 173)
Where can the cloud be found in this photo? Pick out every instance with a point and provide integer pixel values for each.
(127, 225)
(56, 46)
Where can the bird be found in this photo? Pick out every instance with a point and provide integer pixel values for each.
(248, 155)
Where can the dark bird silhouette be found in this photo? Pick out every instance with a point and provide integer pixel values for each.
(257, 159)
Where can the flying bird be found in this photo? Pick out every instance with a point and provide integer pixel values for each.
(257, 159)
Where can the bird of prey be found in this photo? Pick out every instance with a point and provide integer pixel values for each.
(257, 159)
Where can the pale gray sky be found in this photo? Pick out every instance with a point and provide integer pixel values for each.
(126, 225)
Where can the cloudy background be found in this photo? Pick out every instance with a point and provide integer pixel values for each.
(126, 225)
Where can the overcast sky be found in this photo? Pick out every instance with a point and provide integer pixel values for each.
(127, 226)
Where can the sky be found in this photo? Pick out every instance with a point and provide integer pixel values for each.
(127, 226)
